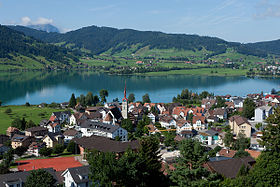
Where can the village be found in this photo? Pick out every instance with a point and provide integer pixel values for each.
(218, 123)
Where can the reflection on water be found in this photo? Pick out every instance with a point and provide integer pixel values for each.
(38, 87)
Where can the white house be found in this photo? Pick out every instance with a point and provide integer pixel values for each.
(199, 123)
(152, 117)
(184, 127)
(62, 116)
(77, 177)
(70, 134)
(54, 127)
(167, 121)
(238, 102)
(89, 128)
(261, 113)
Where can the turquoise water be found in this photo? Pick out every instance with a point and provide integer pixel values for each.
(37, 87)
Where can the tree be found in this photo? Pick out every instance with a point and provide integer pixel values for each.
(20, 124)
(248, 108)
(273, 91)
(95, 100)
(45, 151)
(0, 103)
(20, 150)
(58, 148)
(154, 110)
(146, 98)
(30, 124)
(241, 153)
(103, 94)
(39, 178)
(89, 99)
(8, 111)
(127, 125)
(274, 118)
(258, 126)
(228, 140)
(103, 167)
(241, 142)
(82, 100)
(27, 104)
(189, 170)
(7, 158)
(169, 138)
(72, 101)
(72, 147)
(131, 98)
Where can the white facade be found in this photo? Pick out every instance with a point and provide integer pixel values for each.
(120, 132)
(70, 182)
(152, 117)
(169, 124)
(199, 125)
(261, 113)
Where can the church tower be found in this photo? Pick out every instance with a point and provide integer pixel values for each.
(125, 105)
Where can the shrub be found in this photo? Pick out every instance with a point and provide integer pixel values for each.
(8, 111)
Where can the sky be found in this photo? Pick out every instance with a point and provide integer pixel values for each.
(232, 20)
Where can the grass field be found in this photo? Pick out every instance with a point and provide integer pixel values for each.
(29, 113)
(202, 71)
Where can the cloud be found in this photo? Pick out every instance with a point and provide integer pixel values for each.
(40, 21)
(266, 9)
(25, 20)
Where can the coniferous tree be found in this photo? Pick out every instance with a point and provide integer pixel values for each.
(103, 94)
(39, 178)
(72, 102)
(131, 98)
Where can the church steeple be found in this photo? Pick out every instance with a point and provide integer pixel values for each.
(125, 104)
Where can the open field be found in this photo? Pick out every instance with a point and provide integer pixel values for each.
(201, 71)
(33, 113)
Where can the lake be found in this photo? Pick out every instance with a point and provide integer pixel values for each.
(17, 88)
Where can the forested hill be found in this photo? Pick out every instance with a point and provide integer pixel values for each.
(14, 44)
(101, 39)
(269, 46)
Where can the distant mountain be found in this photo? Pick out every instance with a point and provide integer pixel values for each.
(269, 46)
(98, 40)
(44, 27)
(24, 50)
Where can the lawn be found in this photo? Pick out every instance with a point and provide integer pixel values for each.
(33, 113)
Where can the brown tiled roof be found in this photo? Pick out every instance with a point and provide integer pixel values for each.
(35, 129)
(70, 132)
(219, 111)
(201, 118)
(105, 144)
(227, 153)
(239, 120)
(229, 168)
(179, 138)
(253, 153)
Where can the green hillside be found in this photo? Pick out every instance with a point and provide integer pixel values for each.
(18, 51)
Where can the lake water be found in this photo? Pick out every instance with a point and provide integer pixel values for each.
(36, 87)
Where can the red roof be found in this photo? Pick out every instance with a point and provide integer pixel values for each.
(52, 118)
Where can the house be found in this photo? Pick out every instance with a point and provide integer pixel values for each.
(69, 134)
(167, 121)
(183, 126)
(36, 131)
(226, 153)
(209, 137)
(77, 117)
(54, 127)
(104, 144)
(208, 103)
(239, 124)
(35, 147)
(21, 141)
(89, 128)
(77, 176)
(64, 104)
(188, 133)
(52, 139)
(238, 102)
(152, 117)
(11, 131)
(220, 113)
(229, 168)
(18, 179)
(62, 117)
(261, 113)
(199, 123)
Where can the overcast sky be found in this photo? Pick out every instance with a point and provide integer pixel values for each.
(232, 20)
